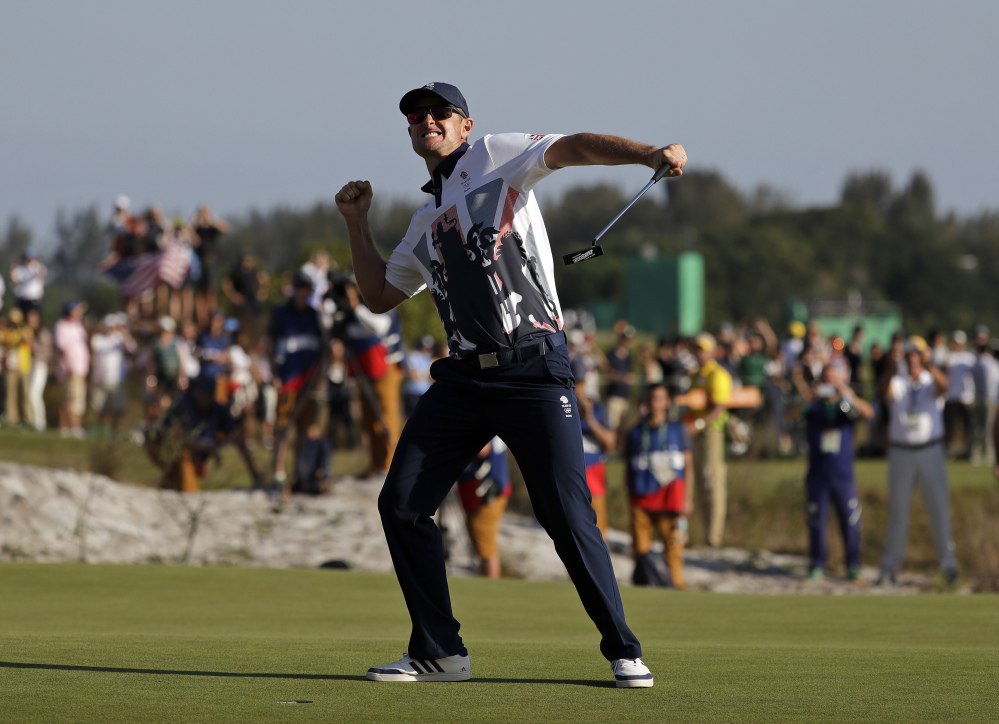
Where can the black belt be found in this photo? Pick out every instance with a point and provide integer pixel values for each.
(521, 353)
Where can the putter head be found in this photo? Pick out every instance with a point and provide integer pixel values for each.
(574, 257)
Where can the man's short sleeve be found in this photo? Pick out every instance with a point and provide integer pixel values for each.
(520, 157)
(402, 270)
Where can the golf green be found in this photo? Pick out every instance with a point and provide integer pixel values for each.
(174, 644)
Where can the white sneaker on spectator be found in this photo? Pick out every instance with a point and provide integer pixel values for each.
(631, 673)
(450, 668)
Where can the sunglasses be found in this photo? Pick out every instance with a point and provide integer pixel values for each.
(439, 113)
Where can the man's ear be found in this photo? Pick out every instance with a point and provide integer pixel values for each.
(466, 128)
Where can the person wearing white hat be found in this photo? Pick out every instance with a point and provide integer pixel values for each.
(110, 345)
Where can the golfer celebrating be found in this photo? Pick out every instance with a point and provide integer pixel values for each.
(481, 248)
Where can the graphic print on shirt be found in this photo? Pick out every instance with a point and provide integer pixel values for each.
(493, 272)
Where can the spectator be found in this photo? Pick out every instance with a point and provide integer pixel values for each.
(366, 333)
(16, 343)
(960, 397)
(854, 355)
(617, 369)
(341, 417)
(599, 439)
(318, 269)
(651, 370)
(657, 456)
(793, 346)
(187, 345)
(707, 428)
(830, 412)
(246, 289)
(27, 274)
(70, 337)
(191, 433)
(314, 465)
(484, 488)
(242, 378)
(294, 344)
(418, 378)
(165, 375)
(208, 228)
(41, 358)
(212, 352)
(916, 452)
(986, 378)
(110, 345)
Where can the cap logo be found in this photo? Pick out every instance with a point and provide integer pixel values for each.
(429, 86)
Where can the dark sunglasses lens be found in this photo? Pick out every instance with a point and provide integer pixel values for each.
(439, 113)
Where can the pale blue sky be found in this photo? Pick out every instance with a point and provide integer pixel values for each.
(252, 104)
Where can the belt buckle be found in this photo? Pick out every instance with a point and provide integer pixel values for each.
(488, 360)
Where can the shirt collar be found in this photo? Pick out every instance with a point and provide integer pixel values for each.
(443, 171)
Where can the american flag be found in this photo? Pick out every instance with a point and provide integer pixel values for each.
(144, 271)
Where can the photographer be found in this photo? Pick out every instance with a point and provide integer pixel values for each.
(830, 412)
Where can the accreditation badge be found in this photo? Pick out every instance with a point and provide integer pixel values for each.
(832, 441)
(662, 469)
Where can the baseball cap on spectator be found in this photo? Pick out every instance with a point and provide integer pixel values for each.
(16, 316)
(797, 329)
(960, 337)
(981, 330)
(123, 202)
(915, 345)
(301, 280)
(427, 341)
(705, 341)
(30, 253)
(110, 320)
(70, 306)
(167, 324)
(445, 91)
(231, 325)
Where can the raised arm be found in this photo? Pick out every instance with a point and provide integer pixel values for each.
(354, 202)
(593, 149)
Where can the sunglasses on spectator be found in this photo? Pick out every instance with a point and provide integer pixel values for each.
(440, 113)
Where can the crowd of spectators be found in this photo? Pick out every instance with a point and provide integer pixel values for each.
(294, 362)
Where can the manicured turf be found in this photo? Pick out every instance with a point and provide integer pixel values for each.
(132, 644)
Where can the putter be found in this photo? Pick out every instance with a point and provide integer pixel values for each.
(595, 249)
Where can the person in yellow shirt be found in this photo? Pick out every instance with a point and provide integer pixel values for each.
(16, 344)
(707, 429)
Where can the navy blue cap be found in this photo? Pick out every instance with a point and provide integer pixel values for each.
(445, 91)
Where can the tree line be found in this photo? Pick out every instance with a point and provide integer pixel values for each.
(885, 242)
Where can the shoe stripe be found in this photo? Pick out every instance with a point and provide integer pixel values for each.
(415, 665)
(437, 666)
(632, 678)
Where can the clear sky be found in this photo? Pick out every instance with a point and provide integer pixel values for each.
(250, 104)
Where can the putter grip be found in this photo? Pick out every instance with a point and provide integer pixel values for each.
(662, 171)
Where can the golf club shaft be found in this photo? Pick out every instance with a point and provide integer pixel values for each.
(663, 170)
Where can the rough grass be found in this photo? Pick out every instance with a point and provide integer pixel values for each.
(178, 644)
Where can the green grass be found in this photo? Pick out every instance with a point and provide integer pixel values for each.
(155, 643)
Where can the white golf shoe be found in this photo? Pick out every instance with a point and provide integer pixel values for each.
(631, 673)
(450, 668)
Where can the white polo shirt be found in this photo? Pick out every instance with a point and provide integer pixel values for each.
(481, 246)
(916, 410)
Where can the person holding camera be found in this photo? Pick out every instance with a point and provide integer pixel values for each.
(830, 412)
(916, 451)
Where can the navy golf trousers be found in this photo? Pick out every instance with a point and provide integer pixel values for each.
(531, 405)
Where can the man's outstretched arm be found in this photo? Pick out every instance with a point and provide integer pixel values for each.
(354, 201)
(593, 149)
